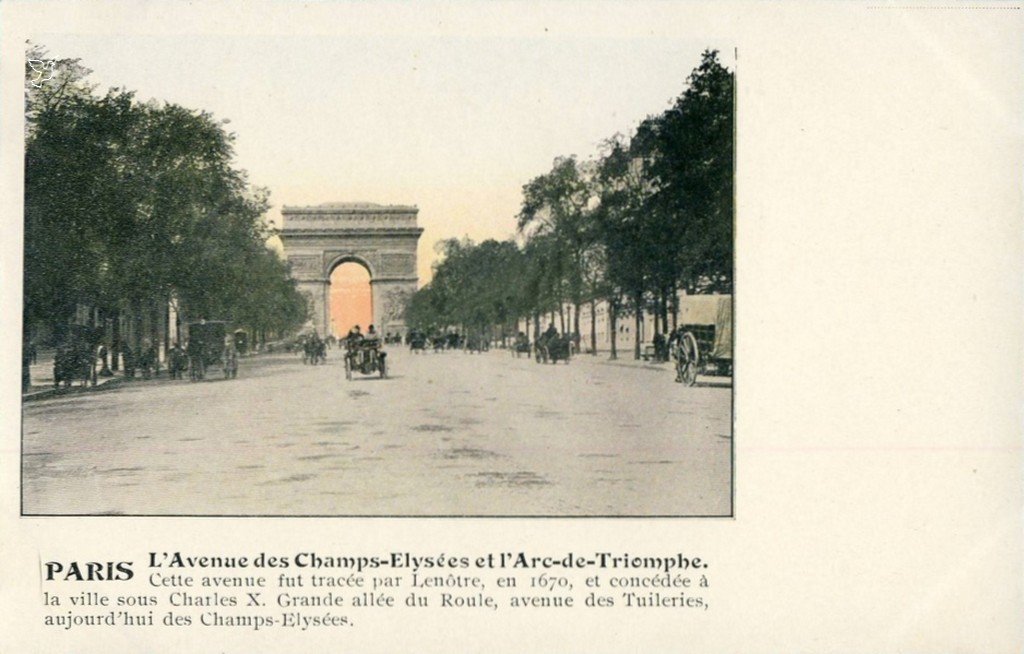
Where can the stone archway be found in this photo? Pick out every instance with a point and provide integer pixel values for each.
(381, 238)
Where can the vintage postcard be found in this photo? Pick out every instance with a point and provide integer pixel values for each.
(512, 326)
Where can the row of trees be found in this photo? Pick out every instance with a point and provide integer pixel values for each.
(651, 215)
(131, 205)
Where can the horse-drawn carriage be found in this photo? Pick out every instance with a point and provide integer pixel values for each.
(552, 349)
(417, 341)
(521, 345)
(365, 356)
(704, 348)
(209, 345)
(314, 349)
(476, 343)
(75, 356)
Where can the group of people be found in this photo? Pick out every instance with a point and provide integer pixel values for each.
(314, 348)
(363, 351)
(146, 360)
(551, 335)
(356, 337)
(195, 356)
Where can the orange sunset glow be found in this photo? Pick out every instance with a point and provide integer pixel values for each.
(351, 302)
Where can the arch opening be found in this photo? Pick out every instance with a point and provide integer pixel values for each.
(350, 297)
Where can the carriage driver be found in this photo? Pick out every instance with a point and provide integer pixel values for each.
(372, 335)
(549, 334)
(352, 340)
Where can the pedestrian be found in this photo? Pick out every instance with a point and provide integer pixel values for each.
(102, 352)
(660, 349)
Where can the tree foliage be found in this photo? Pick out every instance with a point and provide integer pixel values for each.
(652, 214)
(130, 203)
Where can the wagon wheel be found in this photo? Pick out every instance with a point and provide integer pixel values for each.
(687, 359)
(348, 368)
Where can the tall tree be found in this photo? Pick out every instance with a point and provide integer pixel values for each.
(689, 155)
(557, 204)
(128, 205)
(631, 242)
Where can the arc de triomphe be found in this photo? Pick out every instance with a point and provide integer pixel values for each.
(381, 238)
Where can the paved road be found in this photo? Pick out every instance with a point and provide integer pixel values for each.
(446, 434)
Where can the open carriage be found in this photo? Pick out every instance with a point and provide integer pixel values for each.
(365, 356)
(75, 356)
(520, 346)
(703, 348)
(554, 349)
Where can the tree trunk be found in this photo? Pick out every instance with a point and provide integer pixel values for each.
(154, 326)
(115, 340)
(638, 316)
(576, 319)
(593, 327)
(561, 317)
(613, 326)
(137, 326)
(166, 308)
(664, 311)
(675, 307)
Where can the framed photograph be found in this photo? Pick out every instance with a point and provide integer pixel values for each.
(218, 322)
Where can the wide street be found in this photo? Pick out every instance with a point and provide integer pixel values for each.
(446, 434)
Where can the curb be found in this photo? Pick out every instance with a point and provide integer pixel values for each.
(53, 392)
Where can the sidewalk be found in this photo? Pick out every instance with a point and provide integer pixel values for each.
(41, 380)
(626, 360)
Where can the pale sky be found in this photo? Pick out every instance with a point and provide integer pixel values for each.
(453, 124)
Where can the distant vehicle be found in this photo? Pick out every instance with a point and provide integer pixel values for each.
(207, 347)
(476, 343)
(704, 348)
(241, 342)
(554, 349)
(314, 349)
(365, 356)
(521, 345)
(75, 358)
(417, 341)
